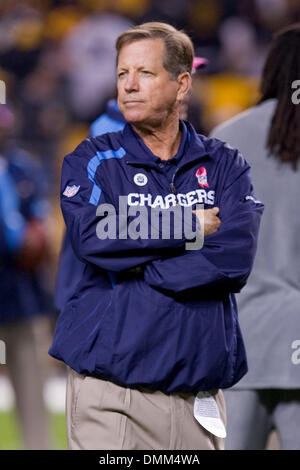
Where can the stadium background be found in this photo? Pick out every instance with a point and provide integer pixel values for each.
(57, 63)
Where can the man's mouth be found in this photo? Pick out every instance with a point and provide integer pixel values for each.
(133, 101)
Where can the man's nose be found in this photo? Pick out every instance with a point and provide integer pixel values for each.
(131, 83)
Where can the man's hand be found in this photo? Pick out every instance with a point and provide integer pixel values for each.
(34, 247)
(211, 220)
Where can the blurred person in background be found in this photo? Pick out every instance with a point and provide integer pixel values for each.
(268, 135)
(90, 63)
(234, 87)
(23, 249)
(46, 118)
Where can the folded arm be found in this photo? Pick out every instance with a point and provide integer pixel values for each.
(227, 256)
(85, 222)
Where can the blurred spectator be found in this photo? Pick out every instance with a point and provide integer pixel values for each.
(44, 104)
(21, 35)
(268, 136)
(90, 63)
(168, 11)
(234, 86)
(204, 18)
(240, 51)
(60, 21)
(111, 121)
(23, 249)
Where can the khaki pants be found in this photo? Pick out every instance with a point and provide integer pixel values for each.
(104, 416)
(25, 370)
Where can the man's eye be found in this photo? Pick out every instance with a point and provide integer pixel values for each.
(146, 72)
(120, 74)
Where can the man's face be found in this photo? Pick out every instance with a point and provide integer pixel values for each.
(146, 94)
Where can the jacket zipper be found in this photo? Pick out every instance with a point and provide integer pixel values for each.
(172, 185)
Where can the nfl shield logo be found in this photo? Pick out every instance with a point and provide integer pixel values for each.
(71, 190)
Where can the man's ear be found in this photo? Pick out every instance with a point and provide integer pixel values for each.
(184, 81)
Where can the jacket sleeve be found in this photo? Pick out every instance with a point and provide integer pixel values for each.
(227, 256)
(113, 253)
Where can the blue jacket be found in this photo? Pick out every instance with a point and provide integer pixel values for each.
(173, 326)
(111, 121)
(22, 199)
(70, 269)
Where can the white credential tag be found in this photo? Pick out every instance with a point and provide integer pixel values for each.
(207, 414)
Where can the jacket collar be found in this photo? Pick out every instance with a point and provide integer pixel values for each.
(191, 147)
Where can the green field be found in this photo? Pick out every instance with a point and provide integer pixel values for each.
(10, 437)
